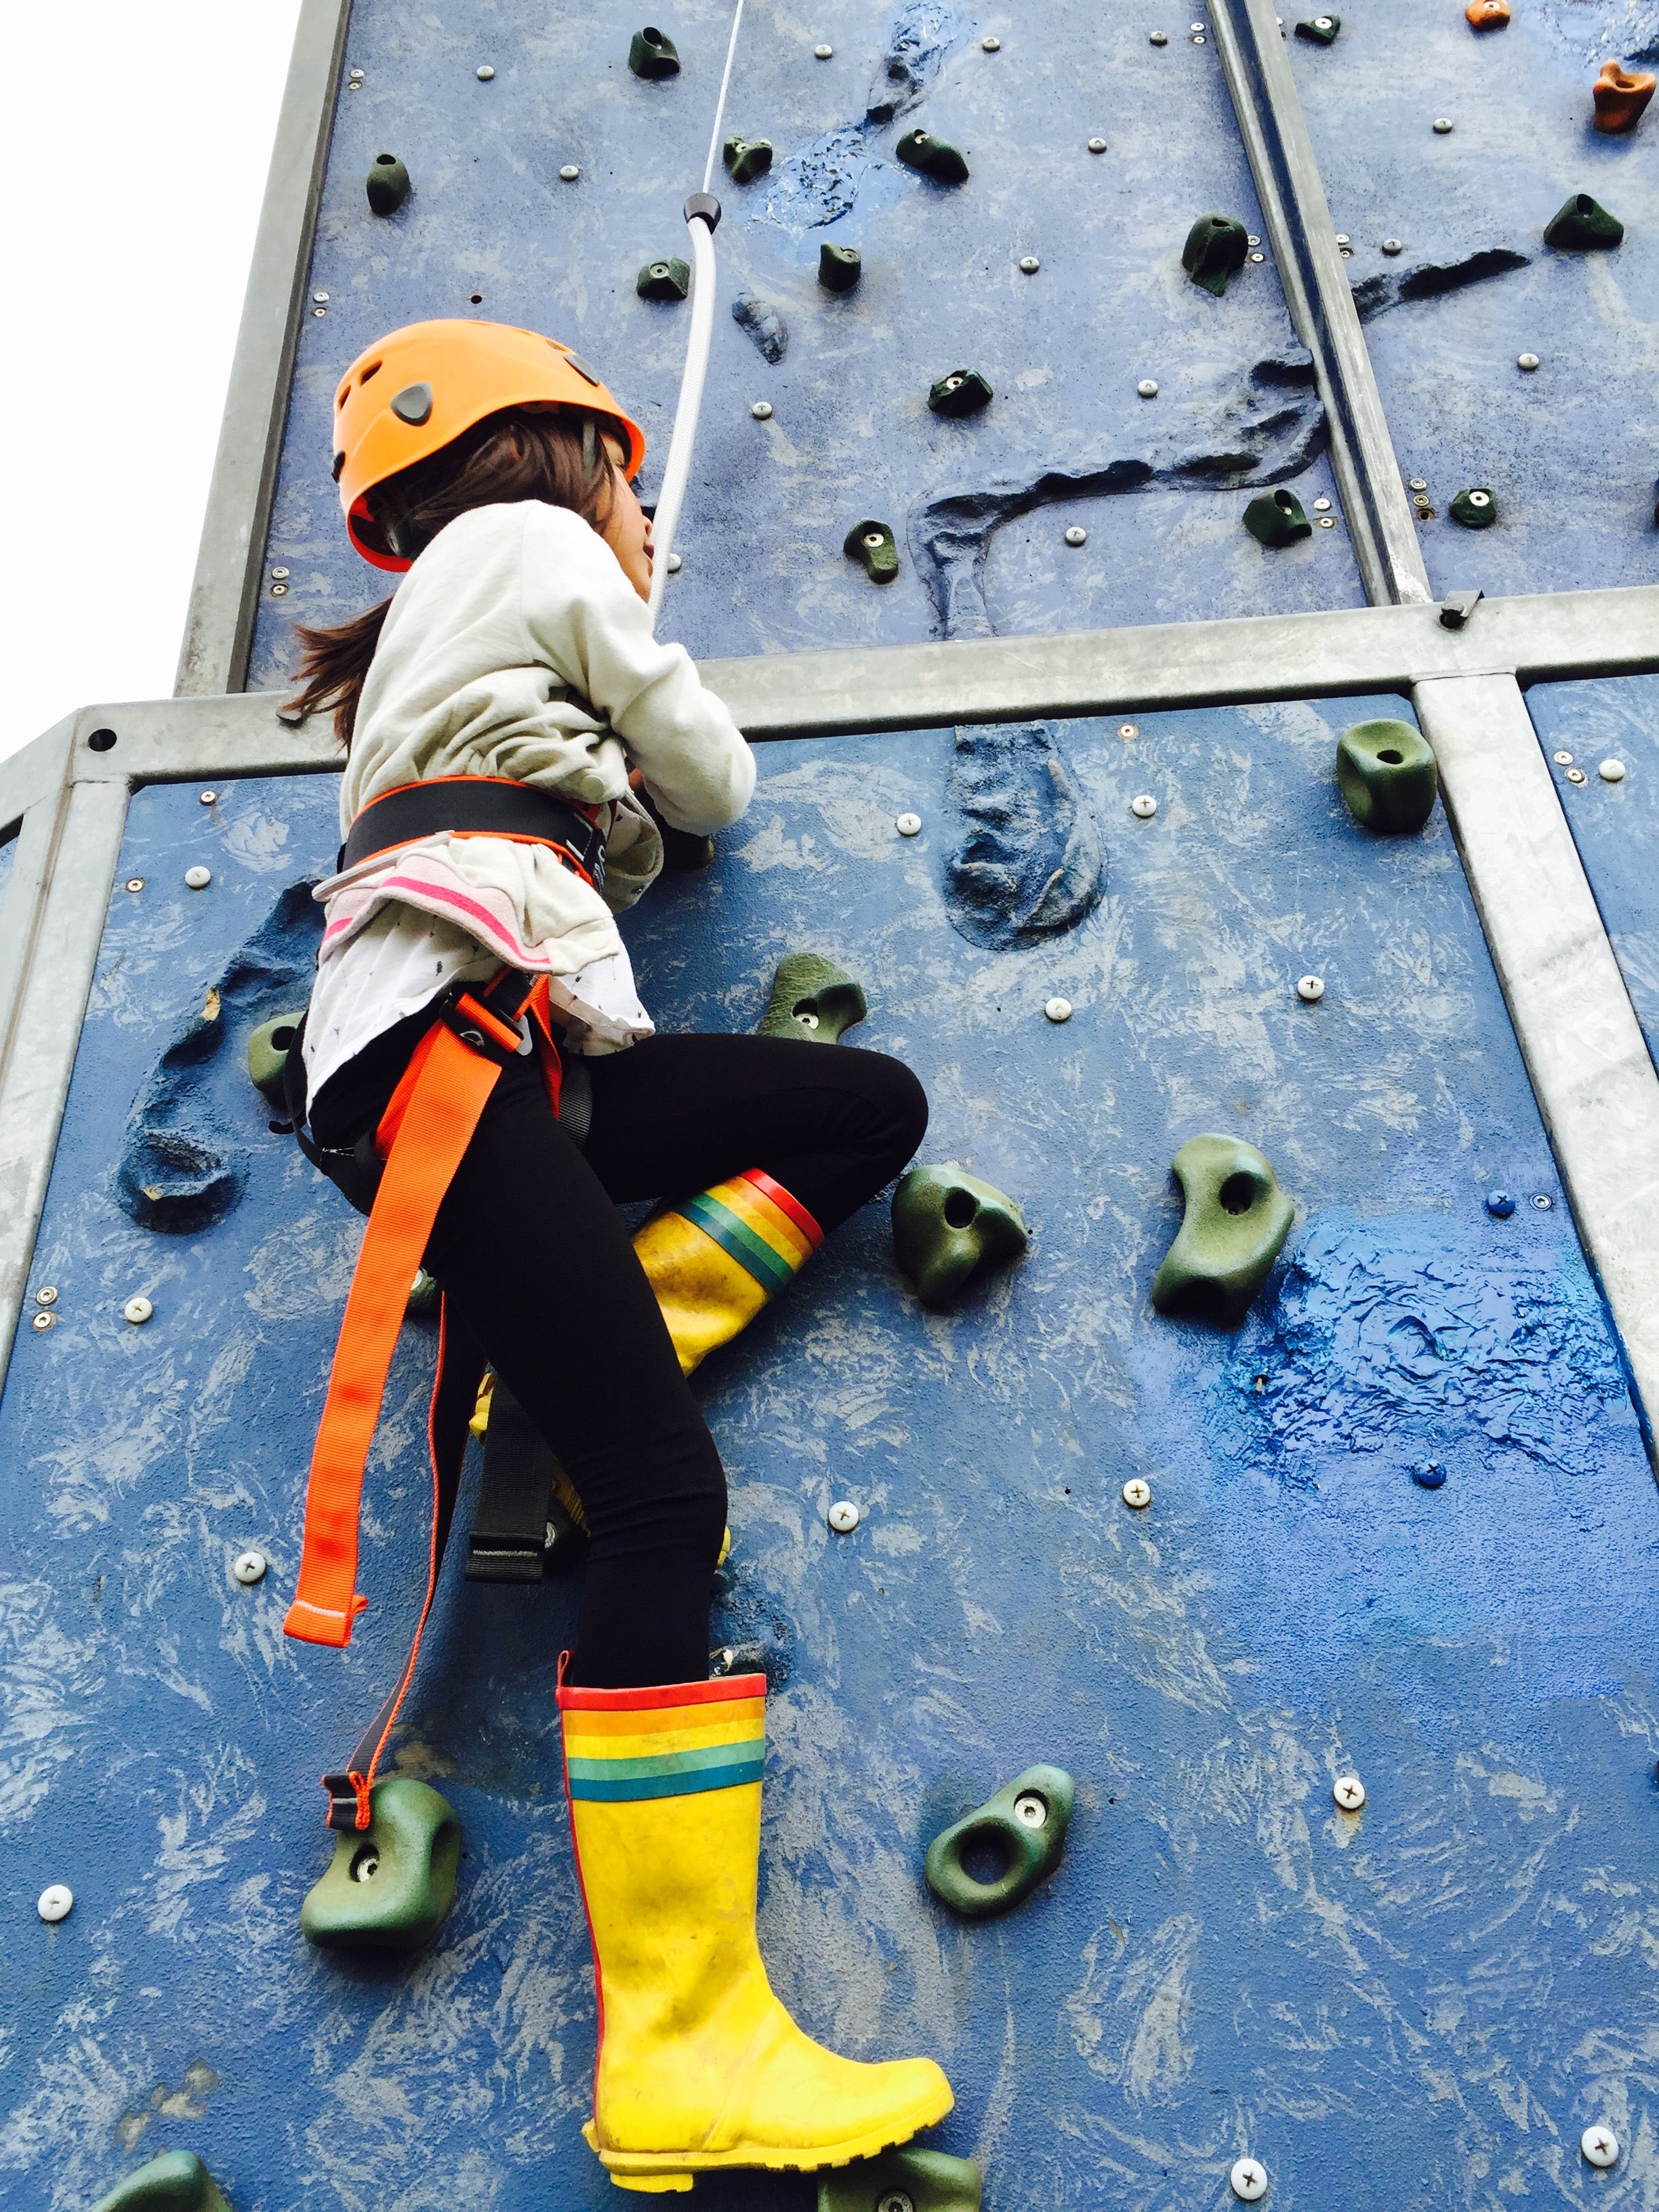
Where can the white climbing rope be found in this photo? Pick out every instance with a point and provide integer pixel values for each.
(677, 474)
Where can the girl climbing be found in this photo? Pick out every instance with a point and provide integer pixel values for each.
(483, 1082)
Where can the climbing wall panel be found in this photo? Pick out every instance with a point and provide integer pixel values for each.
(1428, 1999)
(1601, 739)
(1566, 449)
(980, 505)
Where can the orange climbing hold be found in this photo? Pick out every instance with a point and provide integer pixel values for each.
(1488, 14)
(1621, 95)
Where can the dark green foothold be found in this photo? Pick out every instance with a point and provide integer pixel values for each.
(424, 1297)
(1277, 517)
(391, 1886)
(747, 158)
(1388, 775)
(1476, 509)
(1236, 1218)
(1028, 1818)
(388, 184)
(934, 157)
(651, 52)
(1582, 223)
(267, 1055)
(840, 267)
(812, 998)
(873, 542)
(965, 392)
(1215, 249)
(664, 280)
(176, 2182)
(925, 2181)
(947, 1222)
(1321, 29)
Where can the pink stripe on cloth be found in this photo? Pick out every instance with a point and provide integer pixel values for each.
(430, 887)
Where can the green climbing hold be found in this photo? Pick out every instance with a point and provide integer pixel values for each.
(1582, 223)
(747, 158)
(1321, 29)
(388, 184)
(1388, 775)
(424, 1297)
(267, 1055)
(651, 52)
(176, 2182)
(921, 2180)
(391, 1886)
(812, 998)
(873, 542)
(965, 392)
(946, 1224)
(840, 267)
(1235, 1219)
(934, 157)
(664, 280)
(1476, 509)
(1024, 1824)
(1277, 517)
(1215, 249)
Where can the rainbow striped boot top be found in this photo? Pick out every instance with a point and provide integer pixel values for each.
(714, 1259)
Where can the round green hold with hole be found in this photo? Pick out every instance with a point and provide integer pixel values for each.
(1234, 1219)
(965, 392)
(1214, 252)
(812, 999)
(1025, 1822)
(176, 2182)
(1475, 508)
(840, 267)
(1277, 517)
(387, 183)
(873, 544)
(747, 158)
(947, 1224)
(1387, 774)
(907, 2180)
(668, 279)
(267, 1055)
(932, 157)
(652, 53)
(390, 1887)
(1582, 225)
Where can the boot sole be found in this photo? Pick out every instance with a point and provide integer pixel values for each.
(661, 2170)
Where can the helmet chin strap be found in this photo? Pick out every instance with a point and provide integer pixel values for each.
(702, 214)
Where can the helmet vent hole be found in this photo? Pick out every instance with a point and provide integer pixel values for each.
(374, 369)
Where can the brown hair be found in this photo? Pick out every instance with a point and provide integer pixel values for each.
(554, 454)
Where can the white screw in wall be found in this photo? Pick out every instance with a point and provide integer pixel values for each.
(55, 1902)
(843, 1517)
(1137, 1493)
(1058, 1010)
(908, 825)
(1599, 2145)
(1144, 807)
(249, 1567)
(1310, 989)
(1349, 1792)
(1611, 771)
(137, 1311)
(1249, 2179)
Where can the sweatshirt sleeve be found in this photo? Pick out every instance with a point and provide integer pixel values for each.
(586, 619)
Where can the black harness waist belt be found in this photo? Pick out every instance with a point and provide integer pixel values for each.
(477, 806)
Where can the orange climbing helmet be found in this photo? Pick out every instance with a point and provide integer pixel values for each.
(420, 387)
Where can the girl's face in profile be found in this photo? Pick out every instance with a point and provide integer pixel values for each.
(627, 529)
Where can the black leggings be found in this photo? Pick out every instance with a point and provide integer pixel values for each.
(537, 1268)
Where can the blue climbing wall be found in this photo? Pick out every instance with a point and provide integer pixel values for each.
(1419, 2007)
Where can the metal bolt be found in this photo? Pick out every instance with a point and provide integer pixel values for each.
(1543, 1201)
(1146, 806)
(992, 46)
(1096, 145)
(1443, 124)
(1249, 2179)
(1342, 238)
(1258, 257)
(43, 1321)
(367, 1864)
(1576, 776)
(47, 1295)
(1030, 264)
(1420, 499)
(1252, 240)
(1349, 1792)
(1499, 1204)
(1030, 1810)
(279, 575)
(896, 2201)
(1137, 1493)
(57, 1901)
(907, 824)
(1058, 1010)
(322, 298)
(279, 590)
(484, 72)
(1128, 729)
(762, 411)
(1394, 246)
(137, 1311)
(1418, 483)
(208, 799)
(1564, 760)
(1157, 38)
(1345, 252)
(319, 312)
(673, 564)
(353, 84)
(1321, 507)
(135, 882)
(1199, 39)
(569, 172)
(249, 1567)
(843, 1517)
(1147, 388)
(1599, 2145)
(198, 879)
(1077, 535)
(1328, 522)
(1480, 499)
(1310, 989)
(1526, 360)
(1611, 771)
(873, 537)
(823, 52)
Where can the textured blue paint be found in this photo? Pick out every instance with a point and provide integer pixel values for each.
(1570, 449)
(1417, 2008)
(1031, 863)
(1614, 825)
(770, 503)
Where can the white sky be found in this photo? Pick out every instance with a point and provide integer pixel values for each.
(132, 164)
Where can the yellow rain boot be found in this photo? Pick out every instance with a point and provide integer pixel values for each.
(714, 1259)
(699, 2066)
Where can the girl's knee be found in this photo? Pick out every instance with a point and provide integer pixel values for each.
(896, 1094)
